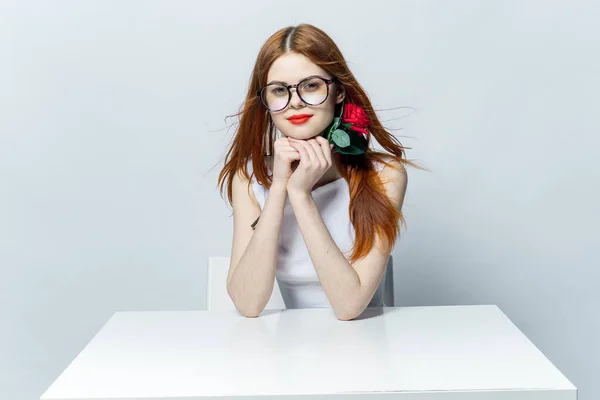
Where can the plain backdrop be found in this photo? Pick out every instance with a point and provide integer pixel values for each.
(113, 131)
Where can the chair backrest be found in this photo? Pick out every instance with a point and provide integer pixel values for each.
(388, 284)
(217, 298)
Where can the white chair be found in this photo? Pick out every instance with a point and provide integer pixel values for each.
(388, 284)
(217, 298)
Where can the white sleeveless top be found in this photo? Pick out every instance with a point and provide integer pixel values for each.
(295, 273)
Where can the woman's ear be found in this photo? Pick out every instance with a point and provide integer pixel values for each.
(341, 94)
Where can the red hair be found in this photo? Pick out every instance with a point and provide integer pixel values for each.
(371, 211)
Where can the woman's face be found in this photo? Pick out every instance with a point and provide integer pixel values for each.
(290, 69)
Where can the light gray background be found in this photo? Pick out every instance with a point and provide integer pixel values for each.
(112, 119)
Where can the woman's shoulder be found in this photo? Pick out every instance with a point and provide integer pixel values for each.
(395, 179)
(390, 163)
(242, 186)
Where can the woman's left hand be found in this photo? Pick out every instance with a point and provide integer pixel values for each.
(315, 160)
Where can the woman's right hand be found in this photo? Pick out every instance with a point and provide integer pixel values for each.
(283, 161)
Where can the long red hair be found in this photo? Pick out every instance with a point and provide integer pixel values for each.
(370, 210)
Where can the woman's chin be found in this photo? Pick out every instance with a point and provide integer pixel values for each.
(298, 135)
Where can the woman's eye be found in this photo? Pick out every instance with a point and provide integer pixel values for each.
(311, 86)
(278, 91)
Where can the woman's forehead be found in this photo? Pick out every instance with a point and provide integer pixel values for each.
(292, 68)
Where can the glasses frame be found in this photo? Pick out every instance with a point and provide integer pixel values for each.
(328, 82)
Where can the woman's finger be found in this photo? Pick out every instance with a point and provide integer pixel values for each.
(324, 143)
(312, 158)
(283, 144)
(319, 152)
(326, 147)
(302, 150)
(291, 154)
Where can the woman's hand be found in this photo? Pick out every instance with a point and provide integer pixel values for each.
(284, 156)
(315, 160)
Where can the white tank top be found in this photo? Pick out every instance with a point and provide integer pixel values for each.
(295, 273)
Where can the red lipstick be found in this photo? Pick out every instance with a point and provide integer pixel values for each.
(299, 118)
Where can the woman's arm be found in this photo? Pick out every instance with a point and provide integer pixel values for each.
(349, 287)
(251, 276)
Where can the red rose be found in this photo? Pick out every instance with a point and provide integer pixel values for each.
(357, 117)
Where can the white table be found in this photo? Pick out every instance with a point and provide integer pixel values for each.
(421, 353)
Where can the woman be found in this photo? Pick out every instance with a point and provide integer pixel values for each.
(316, 208)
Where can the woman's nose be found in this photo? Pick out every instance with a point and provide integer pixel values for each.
(295, 101)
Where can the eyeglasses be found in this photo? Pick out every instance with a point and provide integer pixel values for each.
(313, 91)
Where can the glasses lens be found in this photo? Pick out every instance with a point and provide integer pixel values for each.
(313, 91)
(275, 97)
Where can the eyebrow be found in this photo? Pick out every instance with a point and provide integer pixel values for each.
(285, 83)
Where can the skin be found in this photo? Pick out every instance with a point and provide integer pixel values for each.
(301, 162)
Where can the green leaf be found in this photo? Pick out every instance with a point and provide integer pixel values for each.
(352, 150)
(358, 145)
(347, 125)
(331, 128)
(341, 138)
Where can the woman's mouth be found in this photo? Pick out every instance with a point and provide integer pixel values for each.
(299, 119)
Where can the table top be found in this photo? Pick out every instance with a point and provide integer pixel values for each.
(202, 354)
